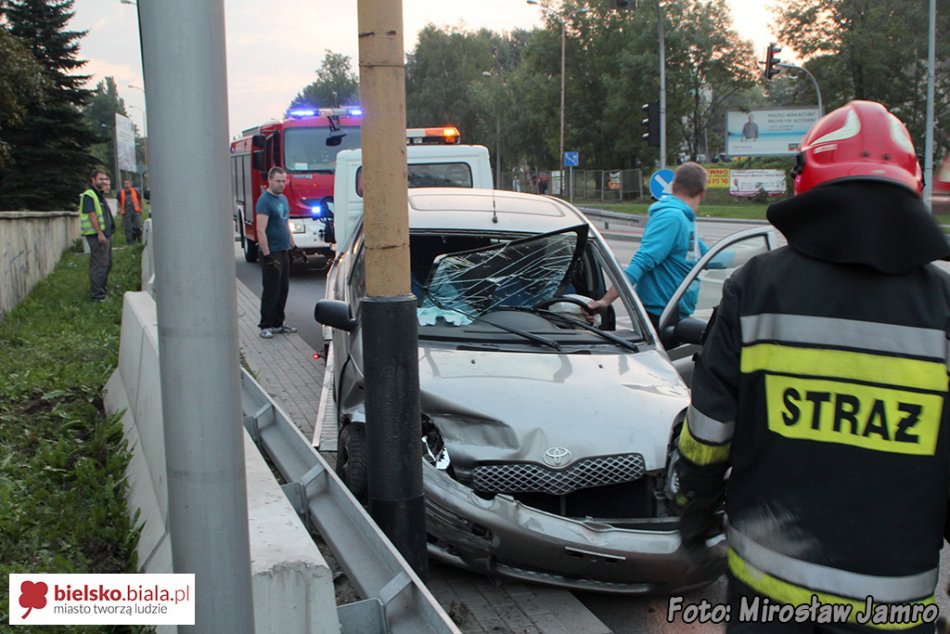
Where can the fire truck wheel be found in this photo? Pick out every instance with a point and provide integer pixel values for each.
(351, 460)
(250, 249)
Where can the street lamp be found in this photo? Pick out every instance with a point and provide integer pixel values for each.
(562, 19)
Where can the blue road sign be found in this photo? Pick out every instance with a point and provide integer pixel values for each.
(661, 182)
(572, 159)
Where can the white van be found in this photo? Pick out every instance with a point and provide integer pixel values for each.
(429, 166)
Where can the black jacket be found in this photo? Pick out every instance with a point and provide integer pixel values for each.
(823, 384)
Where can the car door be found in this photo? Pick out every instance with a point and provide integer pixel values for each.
(709, 274)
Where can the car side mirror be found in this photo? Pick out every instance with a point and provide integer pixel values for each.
(334, 313)
(689, 330)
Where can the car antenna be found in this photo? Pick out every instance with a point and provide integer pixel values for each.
(494, 212)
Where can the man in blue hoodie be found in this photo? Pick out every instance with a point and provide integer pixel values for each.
(669, 249)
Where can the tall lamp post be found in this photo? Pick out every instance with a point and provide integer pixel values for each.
(562, 18)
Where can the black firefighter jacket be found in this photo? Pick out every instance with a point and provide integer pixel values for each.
(823, 386)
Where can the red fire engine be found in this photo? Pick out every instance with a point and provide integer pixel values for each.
(305, 144)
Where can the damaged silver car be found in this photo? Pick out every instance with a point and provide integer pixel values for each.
(546, 433)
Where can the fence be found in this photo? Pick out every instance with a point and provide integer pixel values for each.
(602, 185)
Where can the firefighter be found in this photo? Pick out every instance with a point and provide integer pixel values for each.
(822, 390)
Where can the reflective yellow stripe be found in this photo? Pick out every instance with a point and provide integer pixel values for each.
(857, 366)
(700, 453)
(791, 594)
(870, 417)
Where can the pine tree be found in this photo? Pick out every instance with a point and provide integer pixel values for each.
(49, 160)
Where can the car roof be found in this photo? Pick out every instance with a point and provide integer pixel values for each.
(463, 209)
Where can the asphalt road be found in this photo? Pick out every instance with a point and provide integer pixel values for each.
(623, 615)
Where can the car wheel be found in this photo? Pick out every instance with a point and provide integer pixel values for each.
(351, 460)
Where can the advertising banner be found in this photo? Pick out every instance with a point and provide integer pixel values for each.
(125, 143)
(775, 132)
(718, 178)
(755, 182)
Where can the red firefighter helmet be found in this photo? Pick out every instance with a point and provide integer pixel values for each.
(859, 141)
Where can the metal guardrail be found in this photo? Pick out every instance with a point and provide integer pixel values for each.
(397, 600)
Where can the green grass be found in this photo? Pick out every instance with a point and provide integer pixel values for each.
(62, 459)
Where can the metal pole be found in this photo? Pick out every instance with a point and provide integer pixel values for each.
(186, 90)
(814, 83)
(388, 312)
(662, 39)
(929, 139)
(497, 148)
(560, 155)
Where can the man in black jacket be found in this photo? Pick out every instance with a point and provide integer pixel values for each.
(822, 390)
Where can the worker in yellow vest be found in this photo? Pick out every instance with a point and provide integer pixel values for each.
(97, 227)
(130, 208)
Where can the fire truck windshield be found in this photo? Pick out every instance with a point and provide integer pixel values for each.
(306, 149)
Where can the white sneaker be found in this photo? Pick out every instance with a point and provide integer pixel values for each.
(284, 330)
(267, 333)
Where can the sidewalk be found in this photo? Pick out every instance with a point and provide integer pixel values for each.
(285, 367)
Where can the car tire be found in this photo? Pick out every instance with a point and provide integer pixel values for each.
(351, 460)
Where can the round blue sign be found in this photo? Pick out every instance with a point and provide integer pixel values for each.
(661, 182)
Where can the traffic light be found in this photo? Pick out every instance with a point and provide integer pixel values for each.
(652, 123)
(772, 61)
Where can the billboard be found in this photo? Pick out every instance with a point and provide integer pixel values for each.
(755, 182)
(767, 132)
(718, 178)
(125, 143)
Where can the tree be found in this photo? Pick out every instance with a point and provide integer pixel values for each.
(440, 72)
(875, 50)
(100, 113)
(49, 158)
(336, 85)
(21, 82)
(707, 63)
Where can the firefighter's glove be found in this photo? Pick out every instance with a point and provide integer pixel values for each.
(271, 261)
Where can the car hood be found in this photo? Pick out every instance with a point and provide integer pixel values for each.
(513, 407)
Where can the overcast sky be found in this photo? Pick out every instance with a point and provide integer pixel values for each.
(275, 48)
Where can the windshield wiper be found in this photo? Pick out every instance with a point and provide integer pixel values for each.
(586, 326)
(544, 341)
(530, 336)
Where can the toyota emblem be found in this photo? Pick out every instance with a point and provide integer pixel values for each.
(557, 457)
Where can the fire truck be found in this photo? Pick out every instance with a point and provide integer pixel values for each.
(305, 144)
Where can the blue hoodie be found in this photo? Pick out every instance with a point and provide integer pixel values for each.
(669, 250)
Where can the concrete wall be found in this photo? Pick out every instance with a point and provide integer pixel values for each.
(292, 585)
(31, 244)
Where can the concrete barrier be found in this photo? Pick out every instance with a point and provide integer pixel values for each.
(292, 584)
(31, 244)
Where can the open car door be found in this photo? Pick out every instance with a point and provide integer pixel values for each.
(682, 336)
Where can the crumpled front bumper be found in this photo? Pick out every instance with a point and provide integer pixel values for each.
(504, 538)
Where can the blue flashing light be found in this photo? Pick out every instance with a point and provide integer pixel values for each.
(301, 112)
(356, 112)
(316, 211)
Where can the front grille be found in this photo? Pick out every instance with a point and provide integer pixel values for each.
(530, 477)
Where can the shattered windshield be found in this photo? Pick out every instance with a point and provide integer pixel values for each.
(465, 285)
